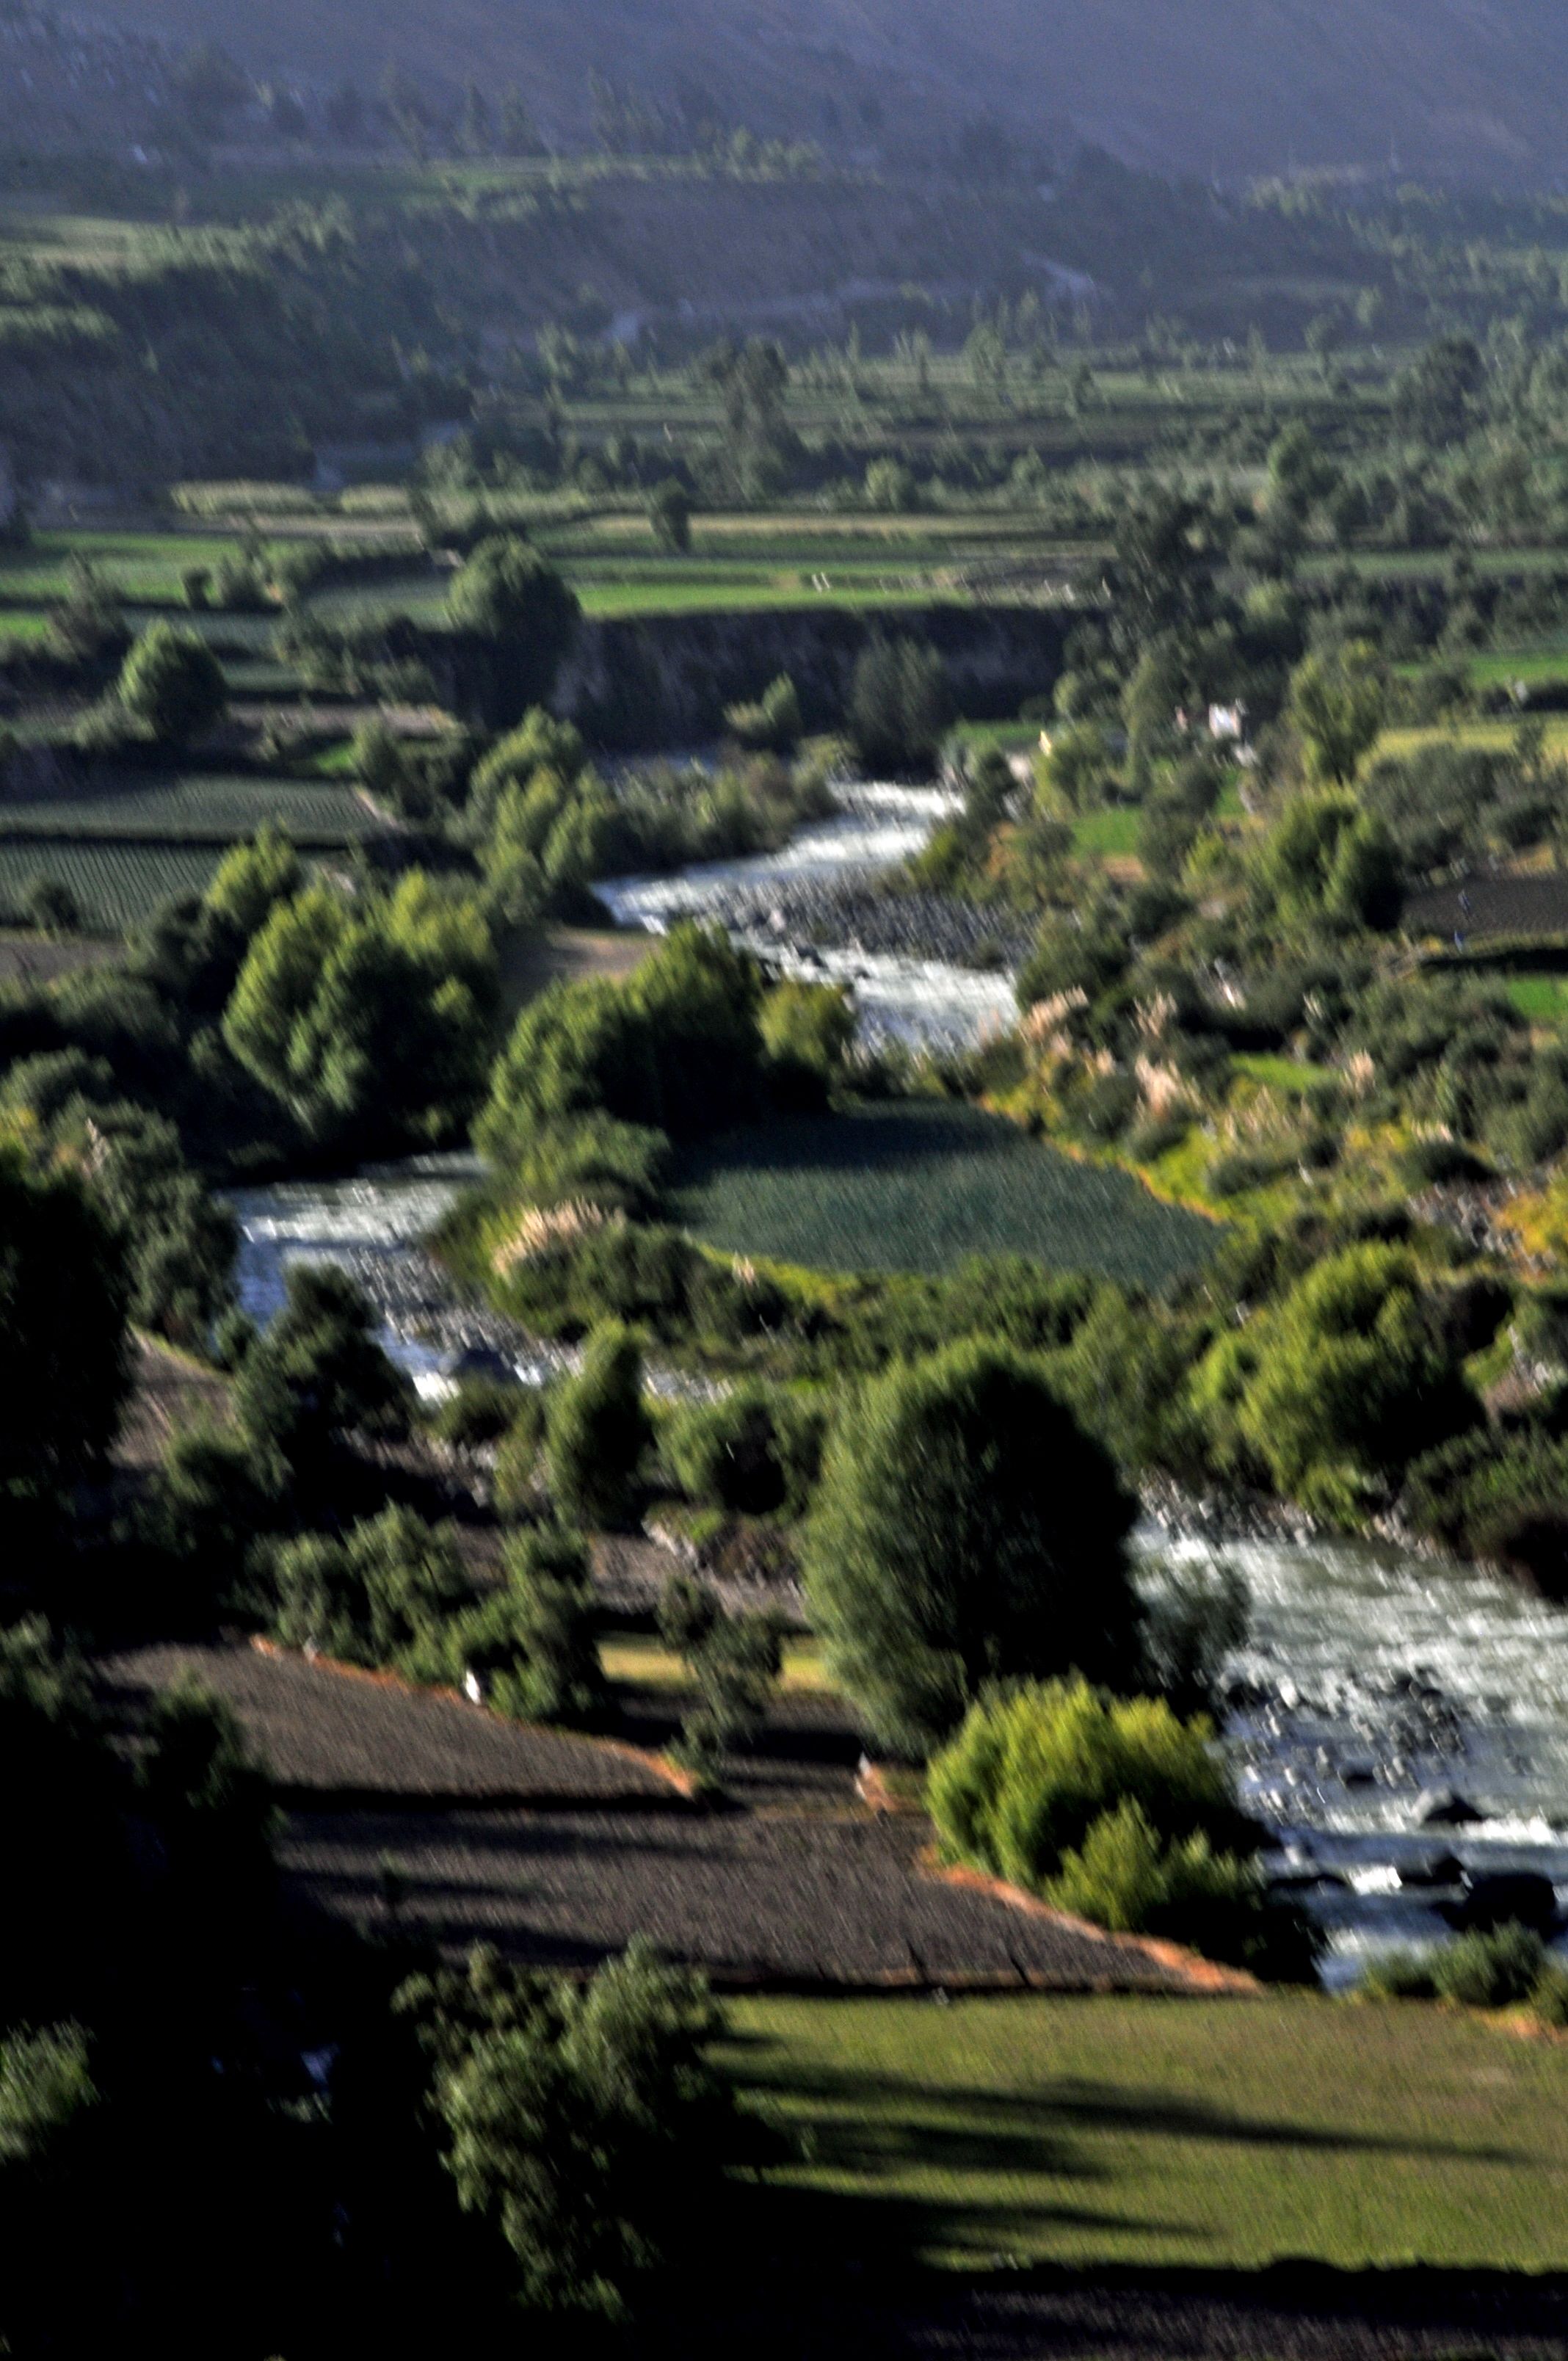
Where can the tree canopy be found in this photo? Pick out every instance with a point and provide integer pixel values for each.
(369, 1018)
(965, 1531)
(173, 684)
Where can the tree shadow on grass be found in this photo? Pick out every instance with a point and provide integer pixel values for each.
(875, 2130)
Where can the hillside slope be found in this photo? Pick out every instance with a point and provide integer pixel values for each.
(1231, 87)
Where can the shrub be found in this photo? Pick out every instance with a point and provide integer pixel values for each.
(1432, 1163)
(1123, 1877)
(372, 1596)
(773, 724)
(755, 1451)
(1030, 1773)
(597, 1431)
(965, 1531)
(173, 684)
(518, 1476)
(1495, 1969)
(1548, 2000)
(479, 1412)
(1117, 1811)
(1400, 1975)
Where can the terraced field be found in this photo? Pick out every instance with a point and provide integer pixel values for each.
(215, 808)
(142, 564)
(919, 1188)
(115, 886)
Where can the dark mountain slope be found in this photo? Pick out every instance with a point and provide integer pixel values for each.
(1234, 87)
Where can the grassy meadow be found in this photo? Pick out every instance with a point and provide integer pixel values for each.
(1001, 2133)
(919, 1187)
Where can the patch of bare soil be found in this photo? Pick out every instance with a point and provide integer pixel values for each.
(29, 959)
(1476, 908)
(170, 1394)
(334, 1741)
(752, 1899)
(530, 961)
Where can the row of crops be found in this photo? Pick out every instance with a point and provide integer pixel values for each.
(214, 810)
(922, 1189)
(115, 886)
(122, 854)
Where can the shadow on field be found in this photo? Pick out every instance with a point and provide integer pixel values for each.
(1292, 2311)
(899, 1140)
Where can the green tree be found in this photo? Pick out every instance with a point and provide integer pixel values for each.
(249, 883)
(173, 684)
(751, 380)
(670, 515)
(64, 1350)
(554, 1624)
(1300, 474)
(1441, 397)
(506, 595)
(807, 1031)
(1337, 704)
(890, 486)
(369, 1019)
(677, 1048)
(900, 703)
(588, 2126)
(318, 1376)
(1342, 1383)
(1325, 858)
(965, 1531)
(597, 1431)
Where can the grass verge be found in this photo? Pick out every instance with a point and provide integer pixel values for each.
(1226, 2133)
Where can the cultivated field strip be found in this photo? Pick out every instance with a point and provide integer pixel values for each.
(559, 1849)
(116, 887)
(327, 1737)
(810, 1901)
(217, 809)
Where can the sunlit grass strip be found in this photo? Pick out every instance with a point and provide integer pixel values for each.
(1227, 2134)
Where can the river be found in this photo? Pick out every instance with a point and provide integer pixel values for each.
(805, 910)
(1371, 1678)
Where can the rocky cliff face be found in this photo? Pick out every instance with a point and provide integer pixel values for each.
(665, 680)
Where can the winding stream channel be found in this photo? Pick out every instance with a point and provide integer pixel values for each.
(1374, 1684)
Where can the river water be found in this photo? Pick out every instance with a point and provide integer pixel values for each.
(799, 909)
(1372, 1682)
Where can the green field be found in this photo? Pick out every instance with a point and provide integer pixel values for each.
(1496, 737)
(1542, 998)
(142, 564)
(1111, 834)
(918, 1187)
(116, 885)
(1293, 1075)
(218, 810)
(1222, 2134)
